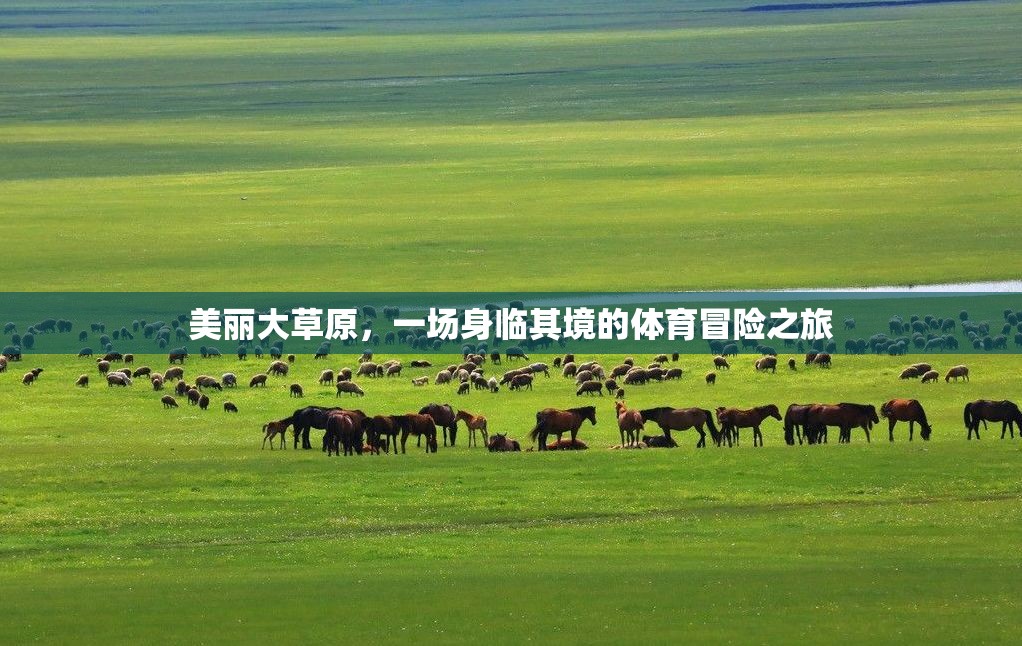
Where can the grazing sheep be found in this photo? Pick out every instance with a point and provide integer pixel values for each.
(620, 371)
(521, 381)
(118, 379)
(610, 385)
(909, 373)
(229, 407)
(583, 376)
(636, 376)
(113, 356)
(204, 402)
(278, 368)
(655, 374)
(464, 388)
(168, 401)
(394, 370)
(420, 381)
(922, 368)
(588, 365)
(83, 381)
(103, 367)
(956, 372)
(349, 387)
(673, 373)
(540, 367)
(229, 380)
(28, 379)
(205, 381)
(290, 358)
(326, 378)
(660, 358)
(182, 388)
(589, 388)
(493, 385)
(792, 364)
(129, 358)
(620, 394)
(569, 370)
(126, 372)
(711, 378)
(141, 372)
(193, 396)
(296, 390)
(258, 380)
(174, 373)
(442, 377)
(822, 360)
(720, 363)
(931, 375)
(766, 363)
(157, 383)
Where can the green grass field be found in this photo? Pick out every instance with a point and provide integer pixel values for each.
(512, 146)
(126, 521)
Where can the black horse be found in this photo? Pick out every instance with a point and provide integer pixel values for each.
(305, 419)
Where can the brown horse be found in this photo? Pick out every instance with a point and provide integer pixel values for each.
(273, 429)
(500, 444)
(984, 410)
(629, 421)
(473, 423)
(845, 416)
(383, 430)
(420, 425)
(733, 419)
(553, 421)
(343, 429)
(681, 419)
(794, 422)
(443, 416)
(906, 410)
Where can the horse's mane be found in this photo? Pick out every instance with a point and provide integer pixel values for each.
(583, 410)
(859, 407)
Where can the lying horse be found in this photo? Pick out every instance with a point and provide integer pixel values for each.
(553, 421)
(681, 419)
(733, 419)
(500, 443)
(906, 410)
(984, 410)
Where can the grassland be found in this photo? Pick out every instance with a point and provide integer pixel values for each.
(124, 521)
(670, 148)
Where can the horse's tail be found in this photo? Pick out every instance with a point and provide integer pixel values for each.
(709, 422)
(885, 410)
(967, 414)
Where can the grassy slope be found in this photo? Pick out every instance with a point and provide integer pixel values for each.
(813, 148)
(124, 513)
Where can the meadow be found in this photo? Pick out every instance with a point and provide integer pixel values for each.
(253, 145)
(124, 521)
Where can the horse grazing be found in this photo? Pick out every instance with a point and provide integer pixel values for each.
(906, 410)
(681, 419)
(306, 419)
(273, 429)
(553, 421)
(956, 372)
(845, 416)
(733, 419)
(383, 429)
(501, 444)
(629, 420)
(419, 425)
(443, 416)
(473, 423)
(343, 429)
(984, 410)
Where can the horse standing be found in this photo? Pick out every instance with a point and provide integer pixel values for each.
(553, 421)
(443, 416)
(629, 421)
(906, 410)
(733, 419)
(984, 410)
(845, 416)
(473, 423)
(681, 419)
(794, 422)
(420, 425)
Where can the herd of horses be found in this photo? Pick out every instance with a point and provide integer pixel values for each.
(353, 432)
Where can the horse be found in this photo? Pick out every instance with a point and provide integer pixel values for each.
(419, 425)
(553, 421)
(343, 428)
(956, 372)
(500, 444)
(273, 429)
(733, 419)
(845, 416)
(906, 410)
(658, 442)
(984, 410)
(384, 426)
(443, 416)
(681, 419)
(473, 423)
(795, 421)
(305, 419)
(629, 421)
